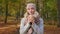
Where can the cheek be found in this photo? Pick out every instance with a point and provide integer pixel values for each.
(28, 10)
(32, 11)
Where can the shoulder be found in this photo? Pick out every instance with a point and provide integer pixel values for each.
(23, 19)
(41, 19)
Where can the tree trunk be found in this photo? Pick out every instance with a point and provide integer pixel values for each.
(37, 5)
(22, 7)
(40, 6)
(58, 6)
(6, 14)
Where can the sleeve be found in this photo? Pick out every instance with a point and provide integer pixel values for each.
(38, 28)
(23, 29)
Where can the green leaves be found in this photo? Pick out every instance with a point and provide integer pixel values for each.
(50, 8)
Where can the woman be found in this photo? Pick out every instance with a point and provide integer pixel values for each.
(28, 24)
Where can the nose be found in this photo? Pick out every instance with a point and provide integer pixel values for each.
(30, 9)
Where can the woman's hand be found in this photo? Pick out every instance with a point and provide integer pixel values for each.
(30, 19)
(30, 31)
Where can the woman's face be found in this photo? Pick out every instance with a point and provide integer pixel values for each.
(30, 9)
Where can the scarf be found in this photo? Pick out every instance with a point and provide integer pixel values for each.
(36, 15)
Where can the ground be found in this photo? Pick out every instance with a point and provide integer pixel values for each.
(14, 29)
(50, 29)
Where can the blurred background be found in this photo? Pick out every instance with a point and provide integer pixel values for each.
(11, 12)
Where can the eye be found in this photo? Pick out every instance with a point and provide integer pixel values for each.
(28, 8)
(32, 8)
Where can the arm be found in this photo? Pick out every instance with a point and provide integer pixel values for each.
(23, 29)
(38, 28)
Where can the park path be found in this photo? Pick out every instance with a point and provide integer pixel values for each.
(14, 29)
(9, 29)
(51, 30)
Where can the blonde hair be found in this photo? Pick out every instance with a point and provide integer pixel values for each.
(36, 14)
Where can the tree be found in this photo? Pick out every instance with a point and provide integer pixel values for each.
(39, 6)
(58, 4)
(22, 9)
(6, 11)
